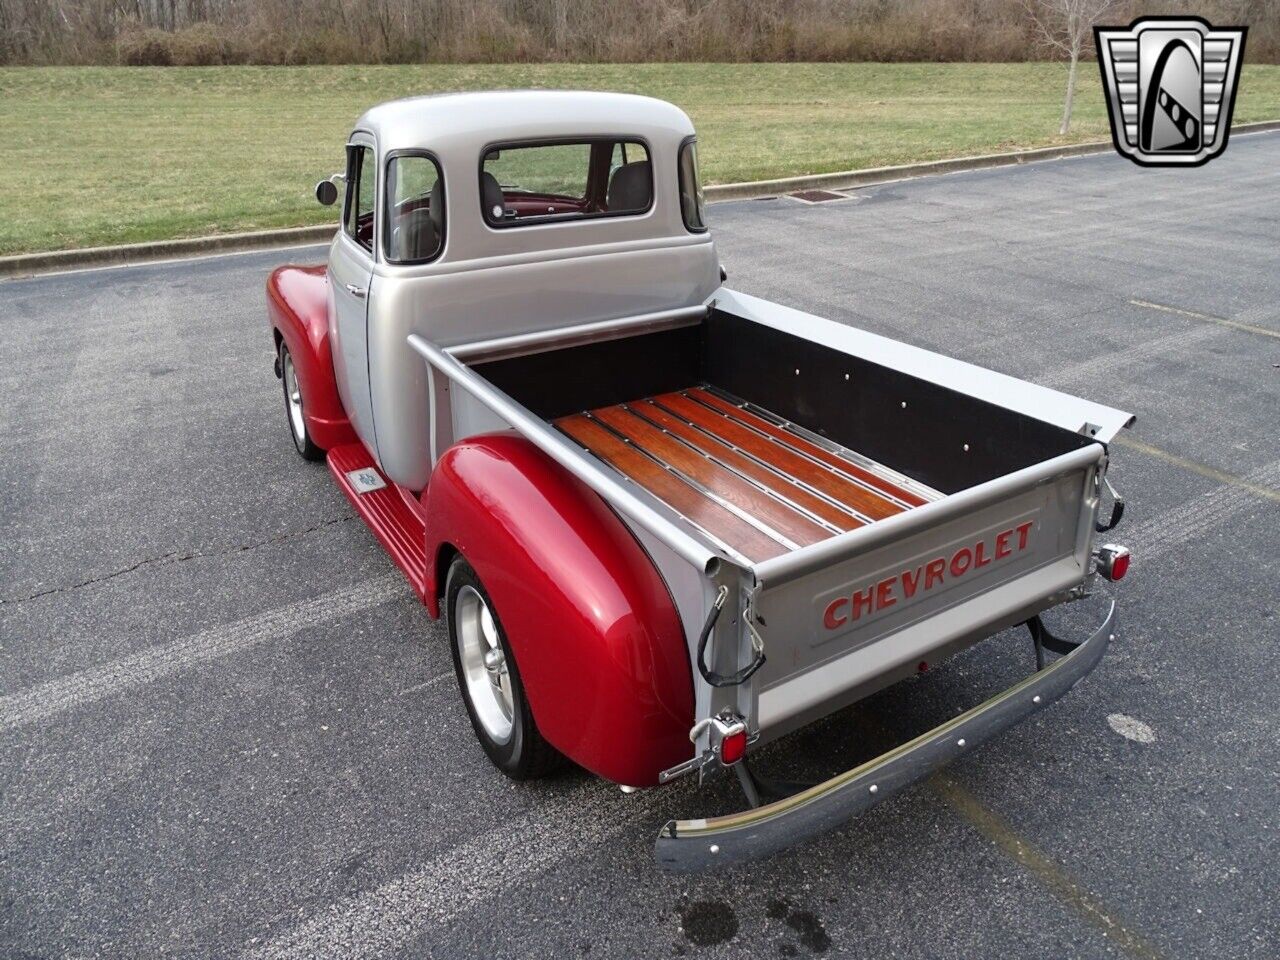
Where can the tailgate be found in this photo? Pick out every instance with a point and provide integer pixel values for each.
(846, 612)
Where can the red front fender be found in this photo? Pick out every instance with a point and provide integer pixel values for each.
(590, 621)
(298, 308)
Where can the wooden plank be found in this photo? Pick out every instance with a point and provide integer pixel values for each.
(781, 457)
(726, 454)
(804, 446)
(670, 489)
(723, 483)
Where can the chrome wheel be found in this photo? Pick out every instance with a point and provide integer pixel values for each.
(489, 679)
(484, 664)
(293, 399)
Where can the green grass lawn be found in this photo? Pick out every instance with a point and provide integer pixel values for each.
(115, 155)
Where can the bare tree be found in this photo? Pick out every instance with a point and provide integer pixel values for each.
(1066, 27)
(559, 24)
(197, 32)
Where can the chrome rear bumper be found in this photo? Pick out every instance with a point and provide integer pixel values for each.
(689, 845)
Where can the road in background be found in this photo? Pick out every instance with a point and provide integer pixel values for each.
(228, 729)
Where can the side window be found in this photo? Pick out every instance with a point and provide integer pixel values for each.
(522, 184)
(415, 209)
(692, 205)
(358, 216)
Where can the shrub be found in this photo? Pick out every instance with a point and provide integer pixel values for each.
(202, 45)
(142, 47)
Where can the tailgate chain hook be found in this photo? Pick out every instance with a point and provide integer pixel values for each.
(757, 647)
(1117, 509)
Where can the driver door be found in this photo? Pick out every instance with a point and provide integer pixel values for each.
(350, 274)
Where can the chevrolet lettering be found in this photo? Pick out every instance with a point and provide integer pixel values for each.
(924, 577)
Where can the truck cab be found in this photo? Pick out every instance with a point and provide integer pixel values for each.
(667, 522)
(495, 214)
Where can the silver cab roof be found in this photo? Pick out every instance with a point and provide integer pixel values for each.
(467, 122)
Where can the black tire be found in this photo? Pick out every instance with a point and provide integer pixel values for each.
(524, 754)
(293, 407)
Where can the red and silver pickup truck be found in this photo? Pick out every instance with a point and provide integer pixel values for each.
(666, 522)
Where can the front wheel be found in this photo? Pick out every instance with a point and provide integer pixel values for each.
(293, 408)
(490, 681)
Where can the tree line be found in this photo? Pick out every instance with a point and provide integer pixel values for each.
(209, 32)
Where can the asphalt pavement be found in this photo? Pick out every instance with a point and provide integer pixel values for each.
(227, 728)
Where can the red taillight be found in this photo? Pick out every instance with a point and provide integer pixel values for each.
(727, 734)
(733, 747)
(1120, 567)
(1113, 561)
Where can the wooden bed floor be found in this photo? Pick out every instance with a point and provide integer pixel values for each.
(745, 478)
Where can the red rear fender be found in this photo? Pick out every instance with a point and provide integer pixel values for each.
(298, 308)
(591, 624)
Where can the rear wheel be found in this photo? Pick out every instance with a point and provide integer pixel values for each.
(293, 408)
(490, 681)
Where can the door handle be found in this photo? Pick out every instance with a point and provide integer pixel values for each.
(355, 291)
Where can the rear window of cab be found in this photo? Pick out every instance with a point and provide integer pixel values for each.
(522, 184)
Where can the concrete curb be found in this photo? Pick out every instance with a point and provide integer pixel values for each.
(846, 179)
(32, 263)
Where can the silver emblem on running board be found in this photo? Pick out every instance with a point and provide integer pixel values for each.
(1171, 86)
(365, 480)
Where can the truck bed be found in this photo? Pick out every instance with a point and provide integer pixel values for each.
(764, 443)
(747, 478)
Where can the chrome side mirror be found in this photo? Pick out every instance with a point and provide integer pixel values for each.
(327, 190)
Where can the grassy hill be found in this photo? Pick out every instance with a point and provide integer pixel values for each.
(101, 155)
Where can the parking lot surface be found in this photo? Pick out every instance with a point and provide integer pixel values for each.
(227, 729)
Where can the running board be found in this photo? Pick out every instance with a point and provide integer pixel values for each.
(387, 510)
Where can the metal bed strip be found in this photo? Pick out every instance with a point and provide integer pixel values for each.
(734, 554)
(857, 481)
(737, 511)
(845, 453)
(855, 514)
(780, 497)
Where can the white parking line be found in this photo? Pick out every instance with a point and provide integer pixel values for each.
(428, 684)
(1113, 364)
(1192, 466)
(389, 917)
(1200, 514)
(156, 663)
(1054, 877)
(1223, 321)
